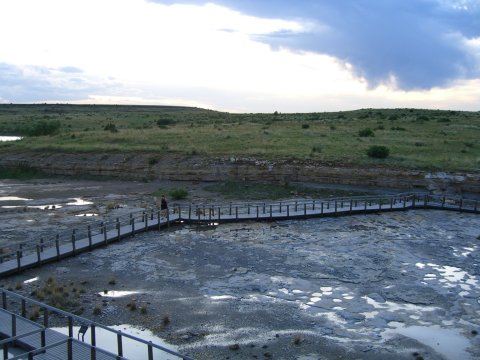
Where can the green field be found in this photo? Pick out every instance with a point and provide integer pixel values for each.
(417, 139)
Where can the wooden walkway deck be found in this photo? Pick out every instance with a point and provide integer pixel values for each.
(33, 340)
(31, 255)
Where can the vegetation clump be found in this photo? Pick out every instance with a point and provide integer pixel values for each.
(366, 132)
(378, 152)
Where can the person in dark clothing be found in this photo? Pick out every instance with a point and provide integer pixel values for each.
(163, 205)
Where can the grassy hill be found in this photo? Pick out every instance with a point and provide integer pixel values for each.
(416, 139)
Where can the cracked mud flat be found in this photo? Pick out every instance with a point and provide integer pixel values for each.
(390, 286)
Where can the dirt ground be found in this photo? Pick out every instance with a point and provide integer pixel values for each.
(390, 286)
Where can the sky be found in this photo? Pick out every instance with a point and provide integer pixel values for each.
(243, 55)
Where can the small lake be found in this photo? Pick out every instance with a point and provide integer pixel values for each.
(10, 138)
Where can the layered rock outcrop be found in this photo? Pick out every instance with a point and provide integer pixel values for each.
(198, 168)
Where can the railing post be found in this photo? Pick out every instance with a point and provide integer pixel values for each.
(41, 244)
(270, 211)
(461, 204)
(14, 325)
(57, 247)
(280, 208)
(45, 317)
(365, 209)
(219, 210)
(24, 308)
(146, 222)
(189, 213)
(119, 344)
(443, 202)
(39, 260)
(391, 203)
(404, 202)
(73, 242)
(130, 221)
(236, 212)
(4, 300)
(230, 209)
(413, 201)
(321, 207)
(70, 327)
(264, 208)
(305, 209)
(42, 338)
(150, 351)
(93, 341)
(151, 214)
(105, 237)
(118, 228)
(19, 255)
(209, 214)
(248, 209)
(288, 210)
(351, 206)
(296, 206)
(69, 349)
(101, 227)
(257, 211)
(335, 206)
(380, 204)
(89, 230)
(313, 207)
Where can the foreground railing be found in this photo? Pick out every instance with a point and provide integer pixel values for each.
(36, 337)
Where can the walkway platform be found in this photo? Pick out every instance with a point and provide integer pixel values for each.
(104, 233)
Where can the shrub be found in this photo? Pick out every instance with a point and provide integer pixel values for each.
(179, 193)
(378, 152)
(366, 132)
(42, 128)
(164, 122)
(317, 149)
(110, 127)
(305, 126)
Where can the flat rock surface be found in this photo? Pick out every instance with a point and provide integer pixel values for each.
(392, 286)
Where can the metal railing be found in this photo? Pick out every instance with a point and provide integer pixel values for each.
(17, 307)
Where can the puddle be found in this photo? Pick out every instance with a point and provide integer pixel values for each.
(117, 293)
(131, 349)
(13, 198)
(31, 280)
(79, 202)
(447, 342)
(41, 207)
(87, 214)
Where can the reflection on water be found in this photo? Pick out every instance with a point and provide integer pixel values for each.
(107, 340)
(447, 342)
(117, 293)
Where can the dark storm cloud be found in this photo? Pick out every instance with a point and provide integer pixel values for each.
(417, 41)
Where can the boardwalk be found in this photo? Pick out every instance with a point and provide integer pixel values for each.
(33, 340)
(31, 255)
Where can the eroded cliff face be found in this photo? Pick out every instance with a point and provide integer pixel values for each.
(197, 168)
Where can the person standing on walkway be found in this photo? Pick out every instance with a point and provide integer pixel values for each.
(163, 206)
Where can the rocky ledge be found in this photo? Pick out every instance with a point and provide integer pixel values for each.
(198, 168)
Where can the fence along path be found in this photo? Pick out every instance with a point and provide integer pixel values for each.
(36, 340)
(103, 233)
